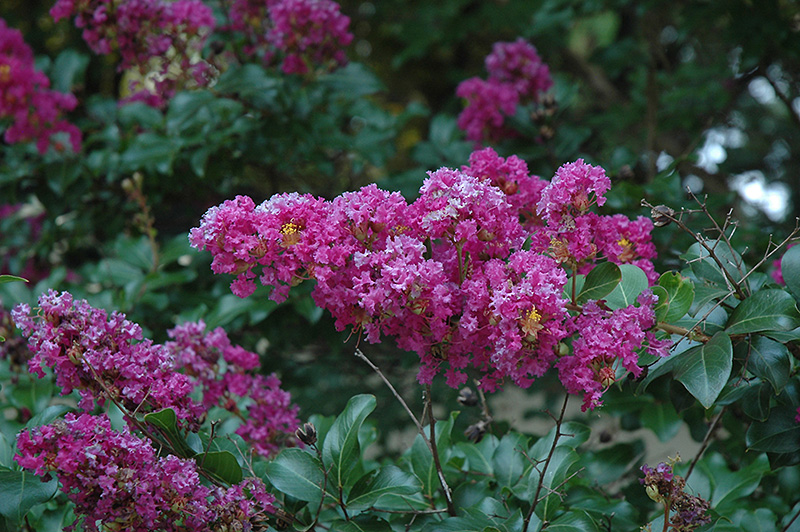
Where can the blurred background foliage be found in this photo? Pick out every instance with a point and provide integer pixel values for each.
(663, 95)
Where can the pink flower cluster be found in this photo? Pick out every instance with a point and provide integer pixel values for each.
(103, 357)
(517, 76)
(309, 33)
(117, 482)
(171, 34)
(35, 112)
(224, 372)
(606, 346)
(448, 276)
(578, 237)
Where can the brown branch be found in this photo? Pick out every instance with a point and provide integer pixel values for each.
(556, 437)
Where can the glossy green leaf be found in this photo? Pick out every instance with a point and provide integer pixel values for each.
(362, 523)
(489, 515)
(600, 282)
(354, 80)
(707, 370)
(68, 70)
(790, 270)
(297, 473)
(727, 486)
(508, 462)
(419, 456)
(47, 415)
(706, 268)
(551, 493)
(340, 450)
(20, 491)
(5, 278)
(778, 434)
(374, 489)
(167, 422)
(755, 403)
(575, 521)
(771, 361)
(222, 465)
(680, 295)
(748, 520)
(479, 455)
(766, 310)
(662, 419)
(633, 283)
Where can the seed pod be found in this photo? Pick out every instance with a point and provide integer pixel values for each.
(467, 397)
(307, 434)
(662, 215)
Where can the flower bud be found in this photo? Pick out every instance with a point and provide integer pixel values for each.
(307, 434)
(475, 432)
(467, 397)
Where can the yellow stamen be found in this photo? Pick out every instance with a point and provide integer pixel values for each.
(529, 322)
(291, 233)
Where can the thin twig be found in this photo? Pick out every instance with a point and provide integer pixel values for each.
(397, 396)
(556, 437)
(732, 284)
(448, 496)
(705, 442)
(784, 529)
(429, 441)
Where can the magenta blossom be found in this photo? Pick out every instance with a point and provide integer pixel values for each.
(608, 344)
(518, 63)
(103, 357)
(116, 480)
(36, 113)
(309, 33)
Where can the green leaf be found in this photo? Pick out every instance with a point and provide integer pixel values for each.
(47, 415)
(575, 521)
(600, 282)
(188, 111)
(727, 486)
(550, 502)
(362, 523)
(662, 419)
(633, 283)
(418, 456)
(353, 81)
(20, 491)
(766, 310)
(340, 450)
(250, 81)
(706, 371)
(167, 422)
(68, 70)
(297, 473)
(778, 434)
(756, 401)
(479, 455)
(680, 294)
(150, 151)
(5, 278)
(489, 515)
(790, 270)
(221, 464)
(771, 361)
(374, 489)
(508, 462)
(706, 268)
